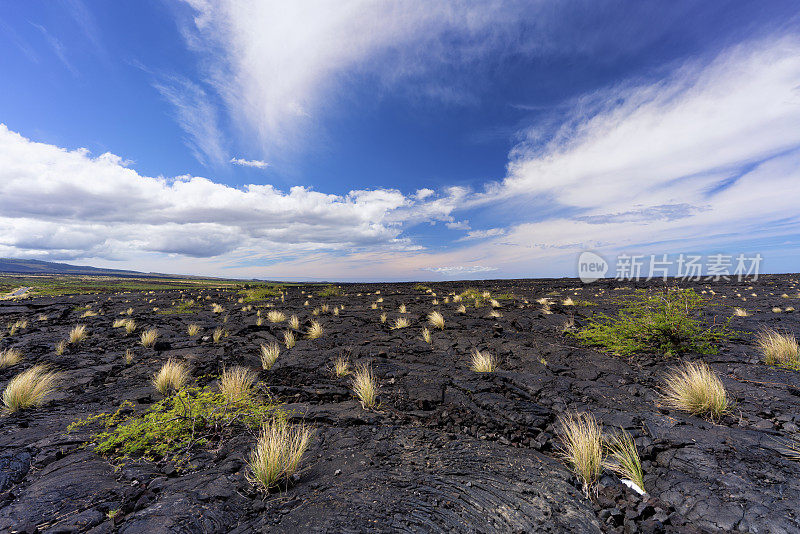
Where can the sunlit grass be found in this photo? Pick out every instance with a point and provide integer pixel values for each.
(483, 362)
(695, 388)
(623, 458)
(365, 386)
(236, 384)
(779, 349)
(269, 355)
(77, 334)
(582, 447)
(436, 320)
(172, 376)
(289, 339)
(278, 452)
(314, 331)
(9, 357)
(148, 337)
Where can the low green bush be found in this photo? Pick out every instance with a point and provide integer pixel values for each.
(668, 321)
(260, 292)
(173, 427)
(330, 291)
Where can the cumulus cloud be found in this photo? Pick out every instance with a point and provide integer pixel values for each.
(60, 203)
(257, 163)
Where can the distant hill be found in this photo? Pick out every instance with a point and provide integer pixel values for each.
(10, 265)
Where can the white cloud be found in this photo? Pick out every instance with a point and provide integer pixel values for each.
(56, 203)
(257, 163)
(455, 270)
(458, 225)
(482, 234)
(196, 114)
(277, 65)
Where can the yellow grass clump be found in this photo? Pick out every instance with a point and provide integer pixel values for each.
(582, 447)
(426, 335)
(740, 312)
(623, 459)
(401, 322)
(278, 452)
(294, 322)
(383, 317)
(193, 329)
(148, 337)
(269, 354)
(483, 362)
(172, 376)
(216, 308)
(461, 309)
(341, 366)
(289, 339)
(779, 349)
(9, 357)
(696, 388)
(77, 334)
(119, 323)
(218, 334)
(275, 316)
(365, 386)
(130, 326)
(29, 388)
(436, 320)
(314, 330)
(61, 347)
(236, 384)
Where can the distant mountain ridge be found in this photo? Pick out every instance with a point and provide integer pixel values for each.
(11, 265)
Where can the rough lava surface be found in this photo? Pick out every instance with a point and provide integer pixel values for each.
(447, 450)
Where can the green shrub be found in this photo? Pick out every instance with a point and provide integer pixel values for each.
(420, 287)
(173, 427)
(260, 293)
(474, 295)
(667, 321)
(330, 291)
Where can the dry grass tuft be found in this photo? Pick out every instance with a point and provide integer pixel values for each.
(461, 309)
(77, 334)
(365, 386)
(624, 458)
(218, 334)
(278, 452)
(89, 313)
(582, 447)
(483, 362)
(289, 339)
(779, 349)
(383, 317)
(426, 335)
(494, 303)
(128, 356)
(294, 322)
(193, 329)
(148, 337)
(275, 316)
(172, 376)
(695, 388)
(401, 322)
(568, 302)
(9, 357)
(29, 388)
(61, 347)
(436, 320)
(269, 354)
(314, 330)
(494, 314)
(237, 384)
(216, 308)
(341, 366)
(130, 326)
(402, 309)
(740, 312)
(119, 323)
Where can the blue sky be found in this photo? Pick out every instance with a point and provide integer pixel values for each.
(397, 140)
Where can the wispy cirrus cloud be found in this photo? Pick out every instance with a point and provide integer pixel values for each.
(257, 163)
(197, 115)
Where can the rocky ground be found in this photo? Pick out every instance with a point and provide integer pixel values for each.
(448, 450)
